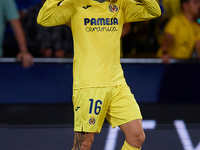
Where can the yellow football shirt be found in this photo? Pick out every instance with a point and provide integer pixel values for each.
(185, 34)
(172, 7)
(96, 29)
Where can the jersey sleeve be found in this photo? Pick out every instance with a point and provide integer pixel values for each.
(141, 11)
(10, 10)
(55, 12)
(172, 26)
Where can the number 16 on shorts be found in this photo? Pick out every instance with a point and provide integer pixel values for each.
(95, 106)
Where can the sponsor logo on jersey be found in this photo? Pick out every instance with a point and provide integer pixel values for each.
(101, 29)
(100, 21)
(92, 121)
(101, 24)
(113, 8)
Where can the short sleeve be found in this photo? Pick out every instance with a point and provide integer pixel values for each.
(10, 10)
(172, 26)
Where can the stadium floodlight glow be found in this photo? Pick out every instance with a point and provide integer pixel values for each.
(184, 136)
(113, 133)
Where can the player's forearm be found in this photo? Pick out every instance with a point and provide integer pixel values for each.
(151, 9)
(198, 48)
(141, 10)
(19, 34)
(51, 14)
(166, 42)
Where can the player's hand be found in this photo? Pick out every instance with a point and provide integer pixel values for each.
(59, 53)
(26, 58)
(166, 58)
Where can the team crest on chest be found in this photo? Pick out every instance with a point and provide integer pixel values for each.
(92, 121)
(113, 8)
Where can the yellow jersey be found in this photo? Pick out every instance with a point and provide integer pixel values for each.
(96, 29)
(185, 35)
(172, 7)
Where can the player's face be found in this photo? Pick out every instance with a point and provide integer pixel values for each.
(193, 6)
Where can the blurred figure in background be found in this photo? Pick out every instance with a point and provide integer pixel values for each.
(171, 7)
(141, 39)
(198, 17)
(43, 41)
(9, 13)
(182, 33)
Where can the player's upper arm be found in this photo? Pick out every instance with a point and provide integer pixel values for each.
(141, 11)
(53, 14)
(198, 46)
(168, 38)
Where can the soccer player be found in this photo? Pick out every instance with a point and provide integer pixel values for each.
(182, 33)
(99, 88)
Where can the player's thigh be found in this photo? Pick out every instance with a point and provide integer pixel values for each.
(123, 107)
(90, 107)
